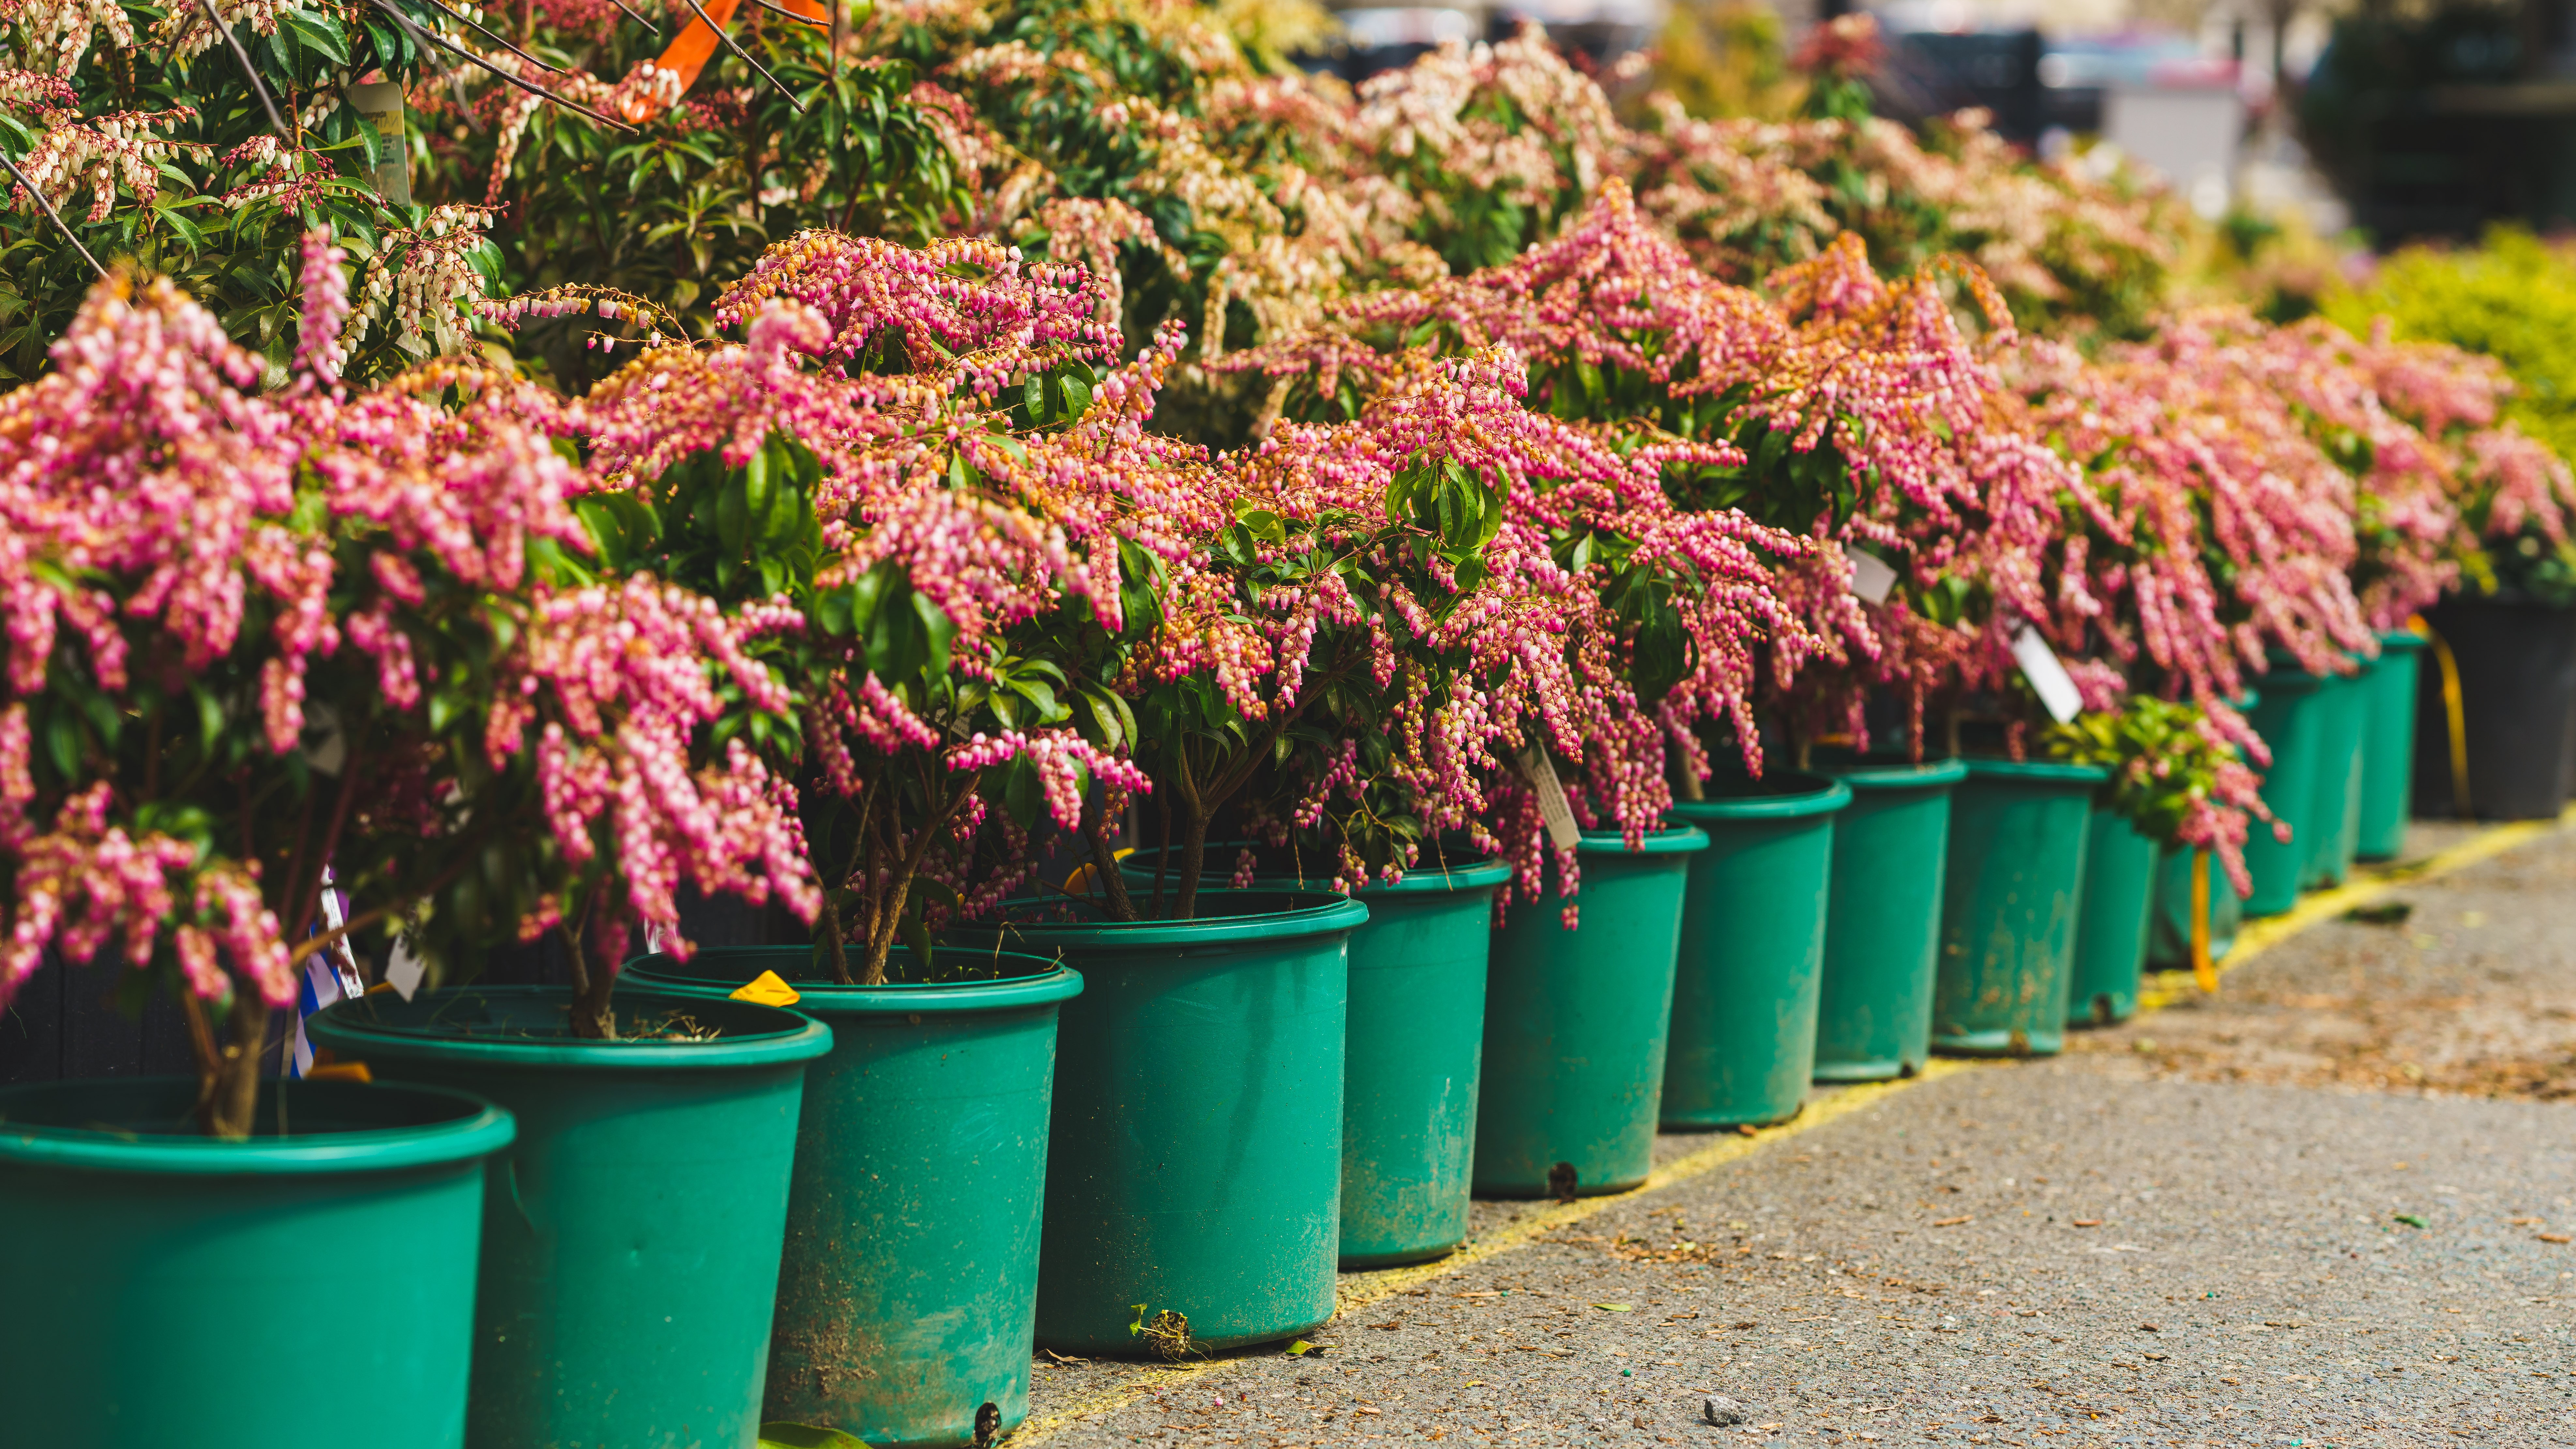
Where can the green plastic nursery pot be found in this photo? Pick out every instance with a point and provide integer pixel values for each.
(287, 1292)
(2010, 899)
(1415, 1042)
(1415, 1049)
(908, 1290)
(2111, 926)
(1196, 1156)
(1883, 919)
(1751, 964)
(2387, 747)
(631, 1235)
(1576, 1024)
(2169, 928)
(2342, 702)
(2292, 725)
(2169, 934)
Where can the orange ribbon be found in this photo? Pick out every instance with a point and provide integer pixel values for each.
(697, 44)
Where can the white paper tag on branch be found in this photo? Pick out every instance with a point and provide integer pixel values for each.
(1872, 579)
(1552, 807)
(2047, 676)
(404, 968)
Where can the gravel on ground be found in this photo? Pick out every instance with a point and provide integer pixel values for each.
(2242, 1221)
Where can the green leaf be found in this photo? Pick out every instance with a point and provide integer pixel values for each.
(1023, 794)
(759, 485)
(63, 743)
(314, 35)
(940, 629)
(733, 516)
(1036, 692)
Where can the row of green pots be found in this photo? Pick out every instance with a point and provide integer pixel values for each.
(863, 1211)
(2341, 775)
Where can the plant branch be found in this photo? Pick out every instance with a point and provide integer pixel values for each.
(501, 41)
(52, 215)
(792, 15)
(268, 103)
(1104, 861)
(431, 38)
(731, 44)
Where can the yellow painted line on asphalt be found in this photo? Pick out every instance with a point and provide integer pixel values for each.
(1362, 1289)
(1359, 1290)
(2366, 888)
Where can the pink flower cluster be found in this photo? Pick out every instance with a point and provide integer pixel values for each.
(161, 523)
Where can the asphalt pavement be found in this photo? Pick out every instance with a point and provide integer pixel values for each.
(2206, 1227)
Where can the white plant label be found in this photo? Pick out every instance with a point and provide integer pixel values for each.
(1872, 579)
(1552, 807)
(2047, 676)
(382, 104)
(404, 969)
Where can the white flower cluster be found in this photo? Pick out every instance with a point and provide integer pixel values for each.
(187, 34)
(100, 153)
(428, 281)
(58, 32)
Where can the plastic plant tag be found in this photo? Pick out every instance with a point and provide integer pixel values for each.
(766, 989)
(1552, 806)
(404, 969)
(340, 1072)
(1872, 579)
(382, 105)
(2048, 678)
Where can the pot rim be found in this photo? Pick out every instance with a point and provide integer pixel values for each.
(2036, 771)
(1325, 913)
(1049, 983)
(2281, 667)
(478, 1130)
(1671, 840)
(1895, 776)
(2403, 641)
(1481, 873)
(793, 1038)
(1825, 796)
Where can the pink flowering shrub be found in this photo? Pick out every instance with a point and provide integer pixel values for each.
(1848, 410)
(2464, 495)
(925, 466)
(227, 609)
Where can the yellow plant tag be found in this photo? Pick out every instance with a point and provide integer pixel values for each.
(340, 1072)
(766, 989)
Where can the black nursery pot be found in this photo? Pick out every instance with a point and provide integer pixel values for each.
(2517, 671)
